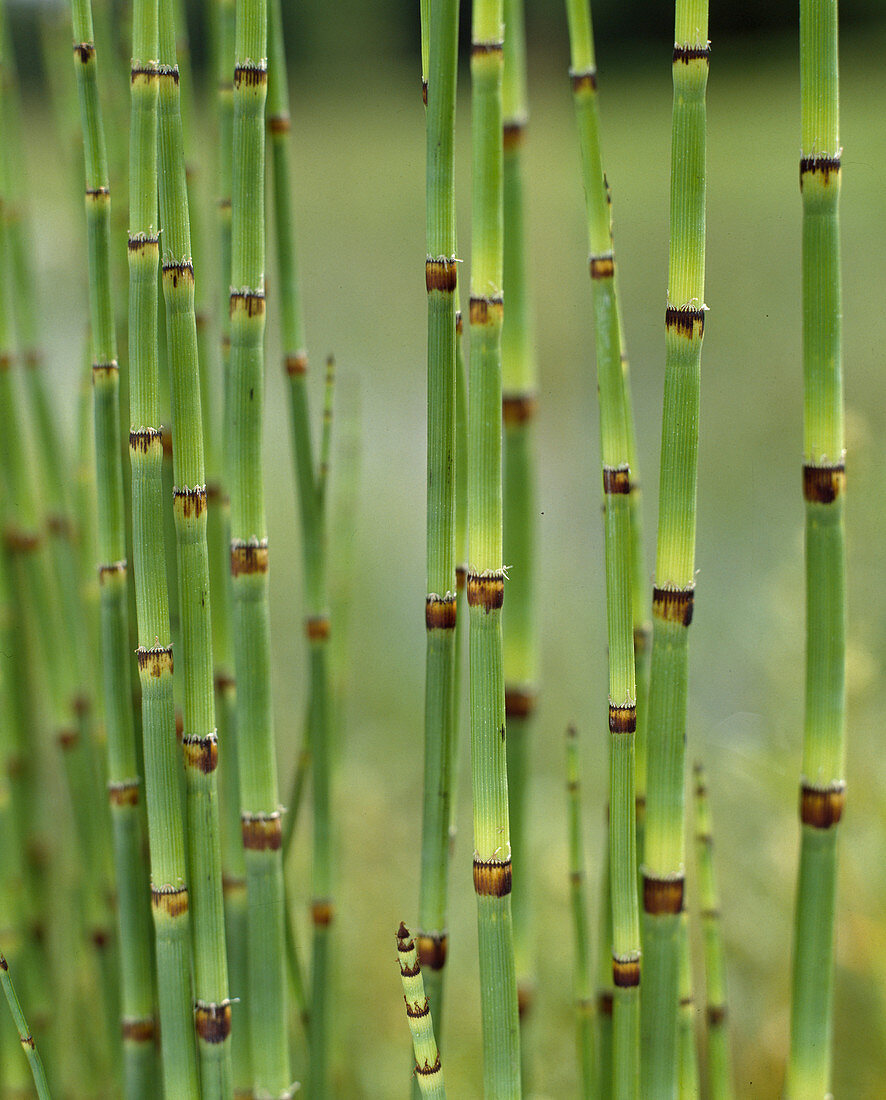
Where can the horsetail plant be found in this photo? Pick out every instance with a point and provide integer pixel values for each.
(619, 566)
(519, 402)
(441, 606)
(581, 970)
(24, 1032)
(822, 786)
(124, 781)
(486, 574)
(719, 1064)
(311, 476)
(259, 801)
(428, 1069)
(688, 1051)
(212, 1015)
(169, 890)
(674, 591)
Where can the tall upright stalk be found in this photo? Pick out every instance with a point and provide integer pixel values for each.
(124, 781)
(719, 1062)
(212, 1015)
(260, 808)
(486, 575)
(619, 566)
(519, 401)
(822, 786)
(311, 477)
(584, 1004)
(441, 601)
(673, 595)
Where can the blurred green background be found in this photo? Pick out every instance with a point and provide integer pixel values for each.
(359, 133)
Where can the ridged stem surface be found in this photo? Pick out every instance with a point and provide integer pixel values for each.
(581, 968)
(428, 1070)
(619, 548)
(519, 403)
(673, 595)
(260, 805)
(212, 1015)
(24, 1032)
(486, 579)
(822, 785)
(441, 604)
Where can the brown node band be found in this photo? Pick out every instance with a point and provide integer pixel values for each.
(822, 808)
(97, 194)
(486, 591)
(492, 878)
(662, 895)
(168, 71)
(224, 204)
(279, 124)
(440, 612)
(432, 949)
(642, 637)
(518, 408)
(617, 480)
(81, 704)
(583, 81)
(602, 267)
(415, 1010)
(525, 1000)
(166, 436)
(685, 54)
(111, 569)
(140, 69)
(213, 1021)
(232, 884)
(68, 739)
(685, 322)
(519, 702)
(224, 682)
(261, 832)
(622, 719)
(705, 838)
(441, 273)
(250, 302)
(426, 1070)
(28, 1041)
(141, 242)
(21, 542)
(105, 369)
(625, 973)
(296, 364)
(322, 912)
(201, 753)
(190, 503)
(424, 92)
(171, 900)
(822, 166)
(482, 49)
(124, 793)
(141, 440)
(716, 1015)
(248, 557)
(251, 74)
(604, 1003)
(181, 269)
(823, 484)
(459, 324)
(513, 134)
(710, 914)
(85, 51)
(138, 1031)
(674, 605)
(317, 628)
(484, 310)
(156, 661)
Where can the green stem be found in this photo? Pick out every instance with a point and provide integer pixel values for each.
(673, 595)
(428, 1070)
(259, 799)
(24, 1032)
(822, 786)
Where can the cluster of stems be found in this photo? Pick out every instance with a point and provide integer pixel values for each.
(486, 575)
(822, 786)
(673, 594)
